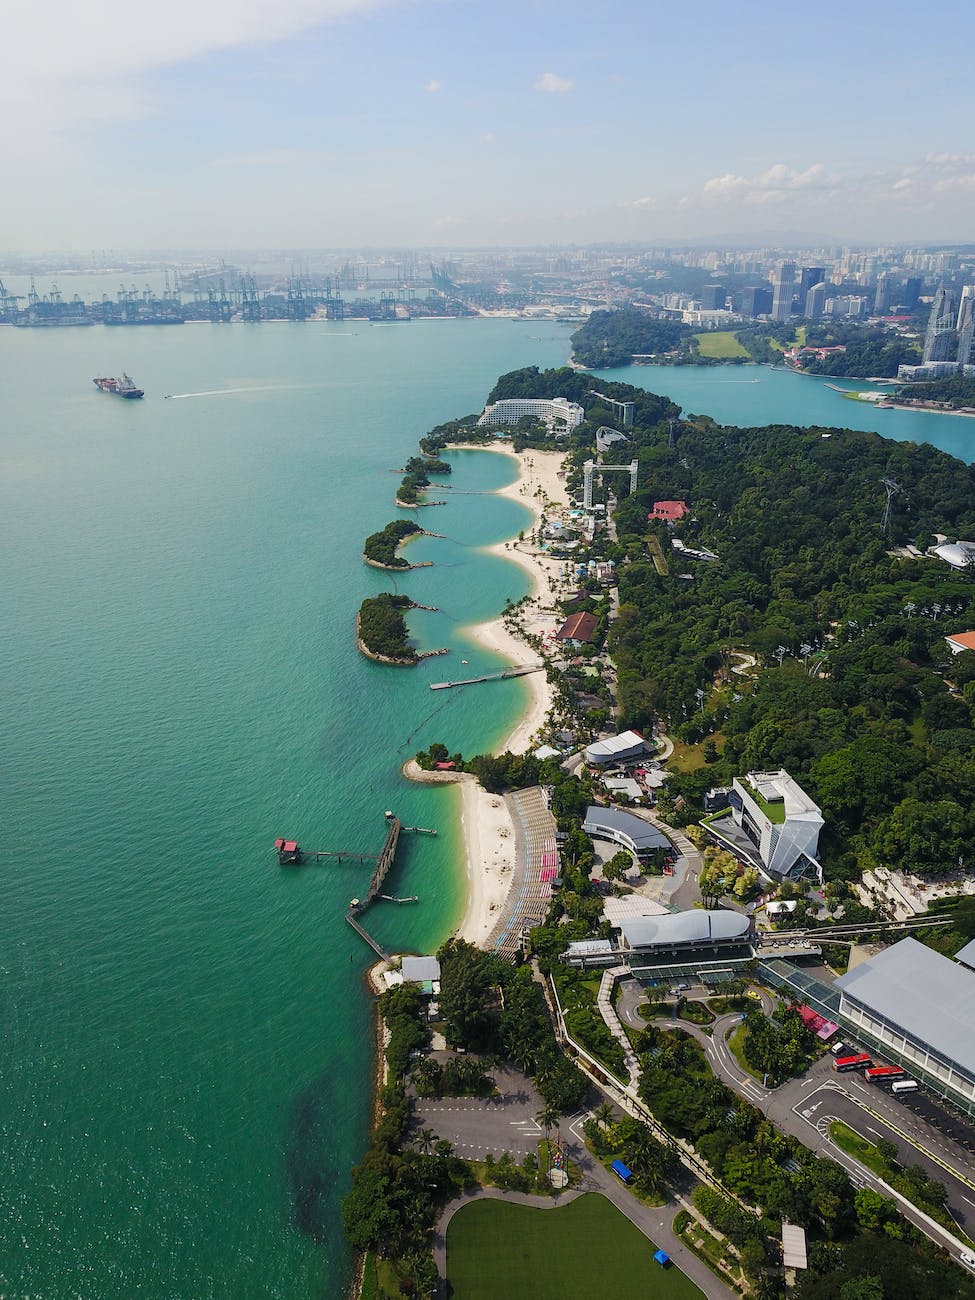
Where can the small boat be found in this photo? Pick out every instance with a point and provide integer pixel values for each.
(121, 387)
(465, 661)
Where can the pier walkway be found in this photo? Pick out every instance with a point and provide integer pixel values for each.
(518, 671)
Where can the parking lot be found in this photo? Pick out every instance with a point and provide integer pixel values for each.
(477, 1125)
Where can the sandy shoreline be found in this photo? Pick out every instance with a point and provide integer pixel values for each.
(489, 840)
(537, 484)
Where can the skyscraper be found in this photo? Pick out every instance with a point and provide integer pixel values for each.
(808, 276)
(912, 291)
(881, 299)
(815, 301)
(756, 300)
(966, 327)
(940, 340)
(785, 283)
(713, 297)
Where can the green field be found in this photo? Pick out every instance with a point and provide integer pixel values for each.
(719, 343)
(500, 1251)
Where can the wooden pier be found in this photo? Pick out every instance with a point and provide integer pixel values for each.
(373, 943)
(291, 854)
(490, 677)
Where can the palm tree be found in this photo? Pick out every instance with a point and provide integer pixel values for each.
(548, 1116)
(603, 1113)
(425, 1140)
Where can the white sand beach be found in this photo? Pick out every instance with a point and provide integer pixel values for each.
(538, 484)
(488, 831)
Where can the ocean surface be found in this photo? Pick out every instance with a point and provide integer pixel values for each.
(188, 1043)
(760, 395)
(186, 1075)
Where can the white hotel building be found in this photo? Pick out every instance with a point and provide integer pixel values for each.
(558, 413)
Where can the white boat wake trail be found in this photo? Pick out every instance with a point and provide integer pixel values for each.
(221, 392)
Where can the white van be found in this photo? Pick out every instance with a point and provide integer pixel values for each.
(967, 1260)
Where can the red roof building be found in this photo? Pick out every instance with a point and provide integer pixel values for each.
(579, 627)
(670, 511)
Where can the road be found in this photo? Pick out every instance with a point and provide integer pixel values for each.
(802, 1107)
(476, 1126)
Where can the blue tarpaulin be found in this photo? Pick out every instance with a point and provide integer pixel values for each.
(621, 1171)
(662, 1257)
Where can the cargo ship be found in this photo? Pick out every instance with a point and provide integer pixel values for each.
(121, 387)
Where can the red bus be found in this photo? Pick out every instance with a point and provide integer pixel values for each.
(883, 1074)
(844, 1063)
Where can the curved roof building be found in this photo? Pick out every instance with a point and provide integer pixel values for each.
(694, 929)
(625, 829)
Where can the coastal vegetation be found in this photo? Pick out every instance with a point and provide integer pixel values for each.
(397, 1190)
(416, 477)
(953, 392)
(493, 1007)
(382, 628)
(613, 338)
(380, 548)
(808, 643)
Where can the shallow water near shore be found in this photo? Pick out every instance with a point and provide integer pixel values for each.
(186, 1077)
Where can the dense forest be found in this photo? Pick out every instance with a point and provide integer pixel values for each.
(871, 352)
(612, 338)
(382, 628)
(381, 547)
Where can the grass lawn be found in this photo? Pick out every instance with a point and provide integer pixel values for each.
(686, 758)
(500, 1251)
(719, 343)
(848, 1140)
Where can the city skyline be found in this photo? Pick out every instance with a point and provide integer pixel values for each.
(329, 123)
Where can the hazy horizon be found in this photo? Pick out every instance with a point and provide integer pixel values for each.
(355, 124)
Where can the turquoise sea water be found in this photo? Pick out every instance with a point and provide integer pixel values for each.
(759, 395)
(186, 1074)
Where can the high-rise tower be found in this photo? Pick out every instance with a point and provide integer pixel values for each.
(785, 284)
(966, 327)
(940, 339)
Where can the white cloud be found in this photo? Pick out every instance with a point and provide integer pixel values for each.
(432, 87)
(79, 62)
(442, 222)
(646, 202)
(553, 84)
(775, 185)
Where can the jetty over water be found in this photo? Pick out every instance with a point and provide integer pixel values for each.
(290, 853)
(517, 671)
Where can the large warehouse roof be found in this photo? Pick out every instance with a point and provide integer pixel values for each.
(696, 926)
(621, 746)
(641, 834)
(929, 997)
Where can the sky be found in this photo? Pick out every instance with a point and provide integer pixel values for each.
(449, 123)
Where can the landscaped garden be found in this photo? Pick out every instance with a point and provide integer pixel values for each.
(496, 1250)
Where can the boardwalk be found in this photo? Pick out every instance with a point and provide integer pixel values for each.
(518, 671)
(536, 866)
